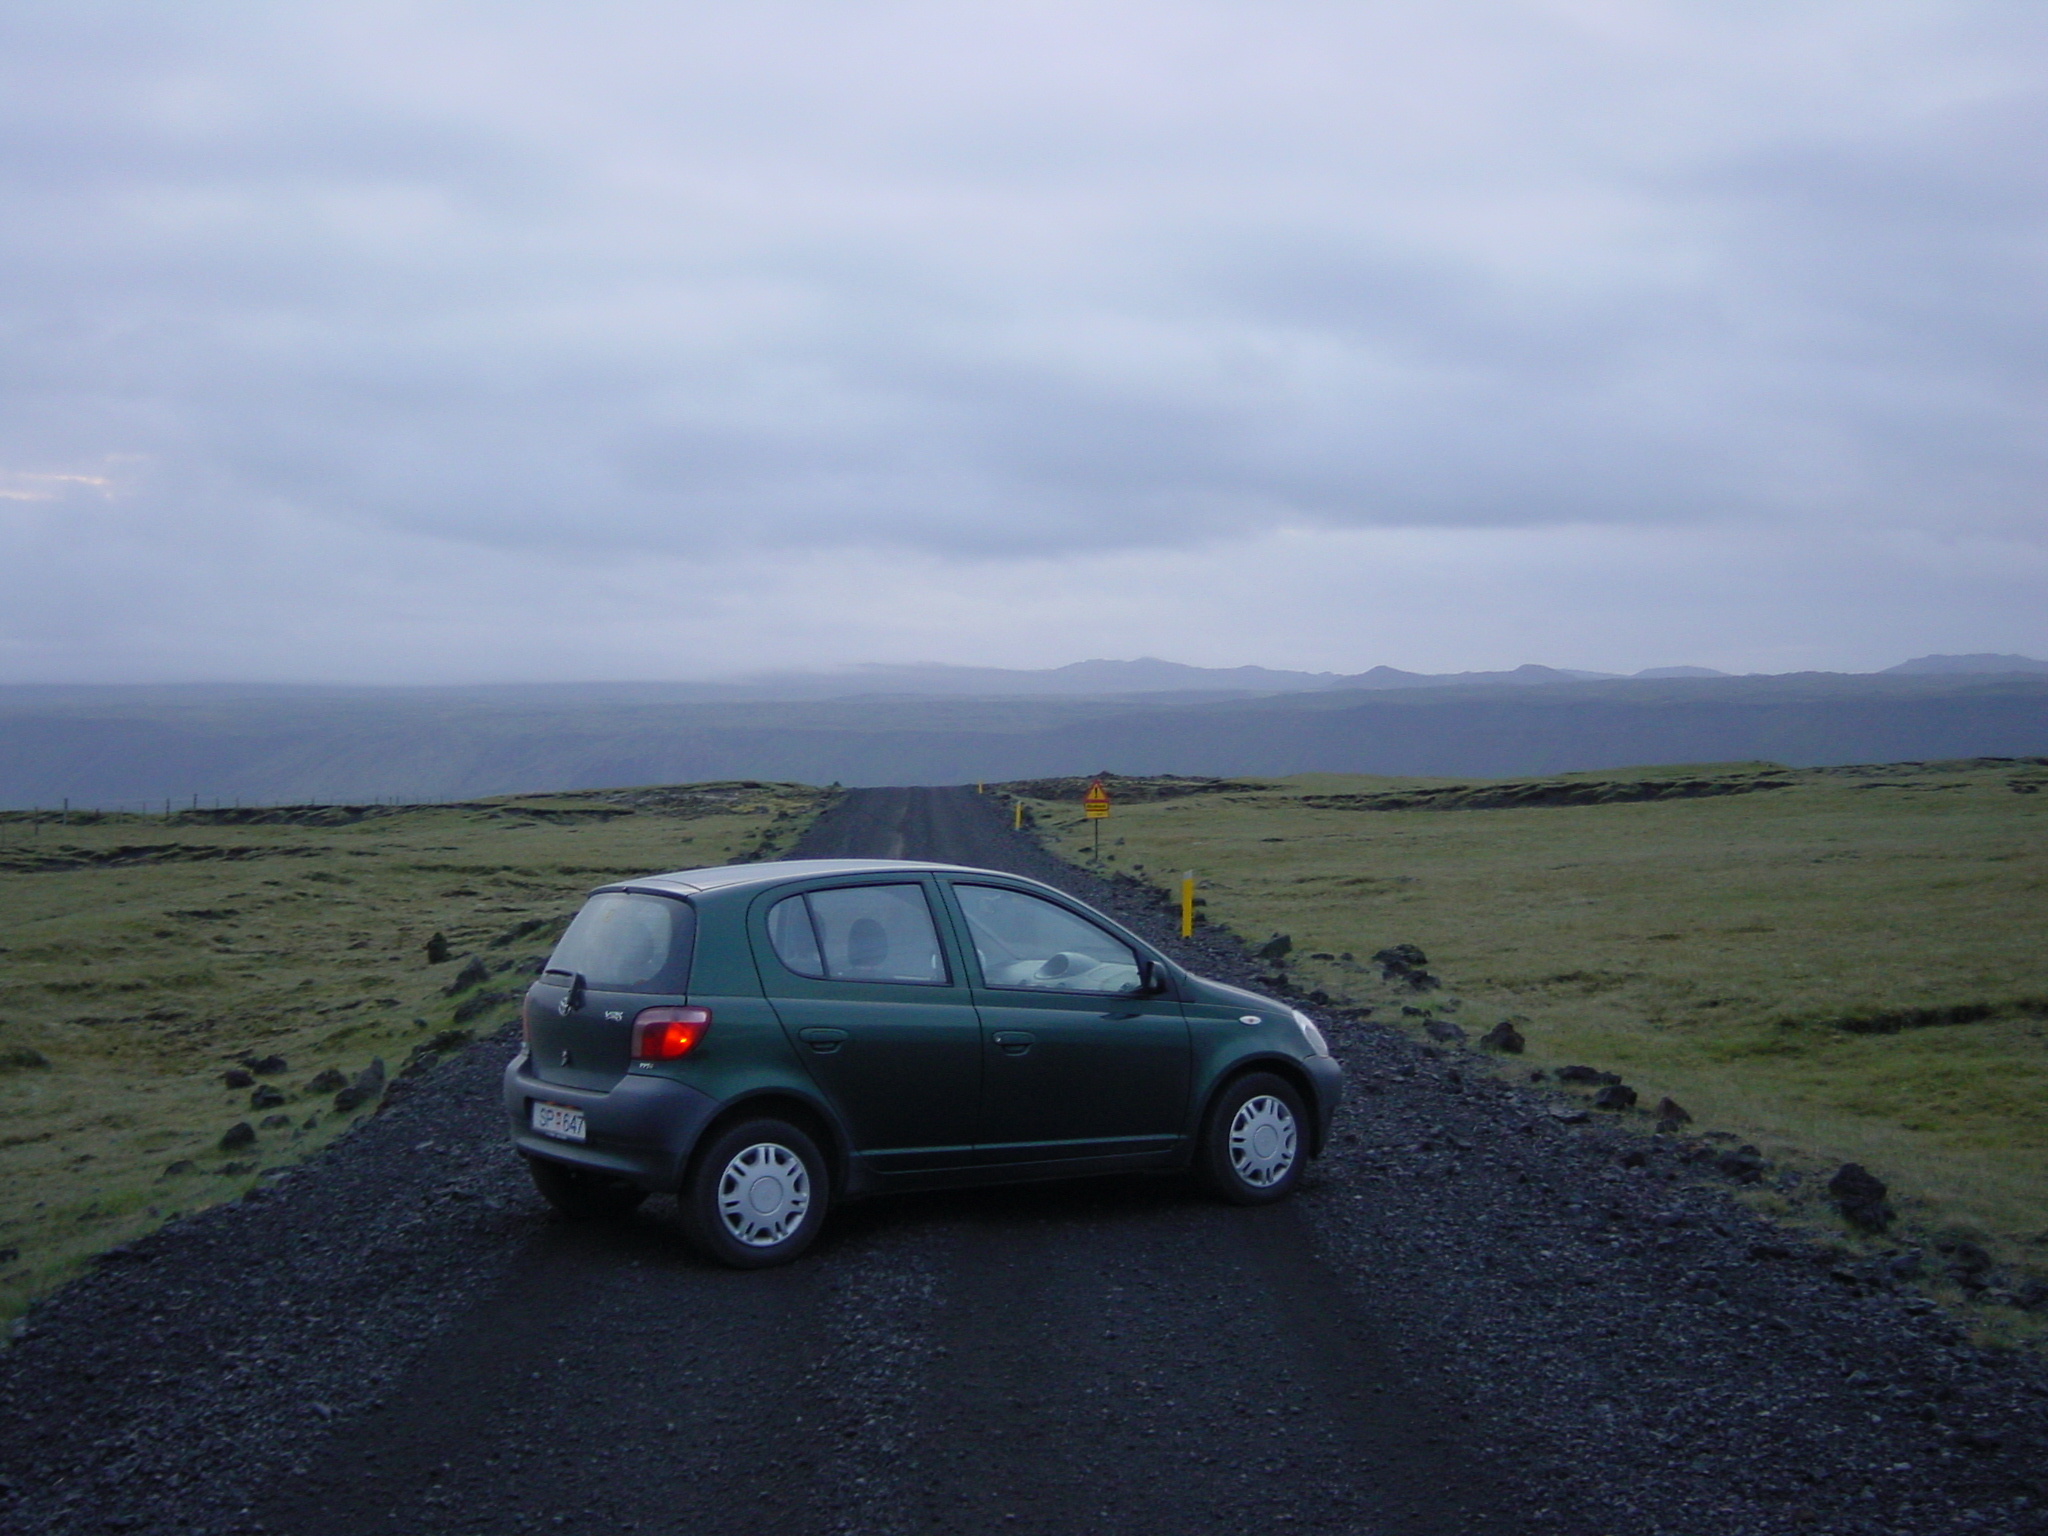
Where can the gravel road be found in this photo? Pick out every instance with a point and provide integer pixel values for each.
(1471, 1318)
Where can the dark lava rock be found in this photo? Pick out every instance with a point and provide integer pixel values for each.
(2031, 1295)
(1504, 1037)
(1444, 1030)
(182, 1165)
(474, 974)
(367, 1085)
(326, 1080)
(1585, 1075)
(266, 1066)
(437, 949)
(235, 1077)
(229, 1170)
(1860, 1195)
(265, 1097)
(1670, 1109)
(1966, 1261)
(1745, 1165)
(1615, 1096)
(240, 1134)
(276, 1122)
(418, 1062)
(1396, 961)
(9, 1255)
(1275, 949)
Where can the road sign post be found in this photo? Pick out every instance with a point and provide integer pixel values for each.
(1095, 806)
(1187, 905)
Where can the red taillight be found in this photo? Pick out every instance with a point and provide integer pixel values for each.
(663, 1034)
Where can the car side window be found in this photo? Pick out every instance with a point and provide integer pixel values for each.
(859, 933)
(795, 940)
(1026, 941)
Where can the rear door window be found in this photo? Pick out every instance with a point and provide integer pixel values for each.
(624, 941)
(859, 933)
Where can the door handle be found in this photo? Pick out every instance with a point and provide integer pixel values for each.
(823, 1041)
(1014, 1042)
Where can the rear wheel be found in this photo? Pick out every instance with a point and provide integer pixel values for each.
(580, 1195)
(1252, 1146)
(757, 1194)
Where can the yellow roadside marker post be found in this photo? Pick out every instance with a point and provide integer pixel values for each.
(1095, 806)
(1017, 817)
(1187, 905)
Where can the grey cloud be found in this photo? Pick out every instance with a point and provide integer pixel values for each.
(705, 283)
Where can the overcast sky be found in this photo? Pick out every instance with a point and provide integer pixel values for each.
(438, 342)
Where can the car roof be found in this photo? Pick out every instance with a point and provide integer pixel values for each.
(735, 876)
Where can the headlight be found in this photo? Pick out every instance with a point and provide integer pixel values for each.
(1311, 1034)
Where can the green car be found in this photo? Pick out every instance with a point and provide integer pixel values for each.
(764, 1039)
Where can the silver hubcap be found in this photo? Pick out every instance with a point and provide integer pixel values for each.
(763, 1194)
(1262, 1141)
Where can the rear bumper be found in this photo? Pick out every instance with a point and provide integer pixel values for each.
(1327, 1078)
(643, 1129)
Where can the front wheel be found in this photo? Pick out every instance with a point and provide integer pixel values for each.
(756, 1196)
(1252, 1148)
(583, 1196)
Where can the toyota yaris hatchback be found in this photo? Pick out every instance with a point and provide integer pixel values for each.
(764, 1039)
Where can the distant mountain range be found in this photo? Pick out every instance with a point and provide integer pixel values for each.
(117, 746)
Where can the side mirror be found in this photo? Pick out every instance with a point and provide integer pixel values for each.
(1151, 978)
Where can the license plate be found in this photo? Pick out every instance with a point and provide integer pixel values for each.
(558, 1121)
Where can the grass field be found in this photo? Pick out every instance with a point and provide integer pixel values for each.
(146, 957)
(1834, 964)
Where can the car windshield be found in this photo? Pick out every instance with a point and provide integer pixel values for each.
(1025, 941)
(623, 941)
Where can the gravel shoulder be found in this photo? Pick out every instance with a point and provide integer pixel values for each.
(1471, 1318)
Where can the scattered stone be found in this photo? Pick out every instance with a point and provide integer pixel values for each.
(437, 949)
(265, 1097)
(483, 1002)
(1967, 1263)
(230, 1170)
(266, 1066)
(1444, 1030)
(1569, 1116)
(1586, 1075)
(1398, 959)
(2031, 1295)
(1745, 1165)
(17, 1058)
(474, 974)
(1275, 950)
(326, 1080)
(367, 1085)
(240, 1134)
(182, 1165)
(276, 1122)
(1615, 1096)
(235, 1077)
(1860, 1196)
(1670, 1109)
(1406, 963)
(1504, 1037)
(9, 1255)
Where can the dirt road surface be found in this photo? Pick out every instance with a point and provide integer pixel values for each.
(1472, 1318)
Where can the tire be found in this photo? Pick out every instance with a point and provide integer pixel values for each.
(583, 1196)
(756, 1196)
(1255, 1141)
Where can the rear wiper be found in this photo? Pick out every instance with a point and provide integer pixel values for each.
(576, 984)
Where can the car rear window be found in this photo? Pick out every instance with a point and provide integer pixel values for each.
(624, 941)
